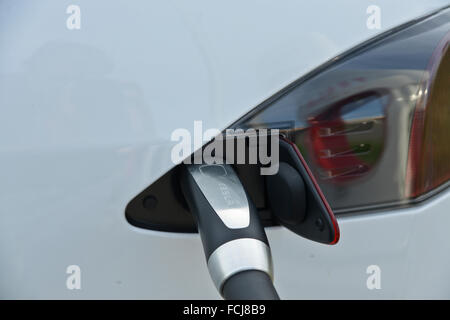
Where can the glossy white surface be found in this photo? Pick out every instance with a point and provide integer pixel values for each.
(85, 123)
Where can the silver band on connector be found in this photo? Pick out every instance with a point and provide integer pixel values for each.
(239, 255)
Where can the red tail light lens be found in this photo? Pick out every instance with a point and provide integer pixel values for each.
(374, 123)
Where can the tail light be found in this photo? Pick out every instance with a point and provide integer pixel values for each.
(374, 123)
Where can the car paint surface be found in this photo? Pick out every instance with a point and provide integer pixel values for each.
(86, 118)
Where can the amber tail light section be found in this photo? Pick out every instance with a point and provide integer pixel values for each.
(429, 152)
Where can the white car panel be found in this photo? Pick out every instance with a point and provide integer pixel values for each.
(85, 123)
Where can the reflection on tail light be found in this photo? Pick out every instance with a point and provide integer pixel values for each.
(373, 124)
(346, 138)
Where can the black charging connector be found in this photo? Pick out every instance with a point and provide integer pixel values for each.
(234, 241)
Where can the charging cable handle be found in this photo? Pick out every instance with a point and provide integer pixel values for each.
(235, 244)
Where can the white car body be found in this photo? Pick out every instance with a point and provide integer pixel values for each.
(86, 117)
